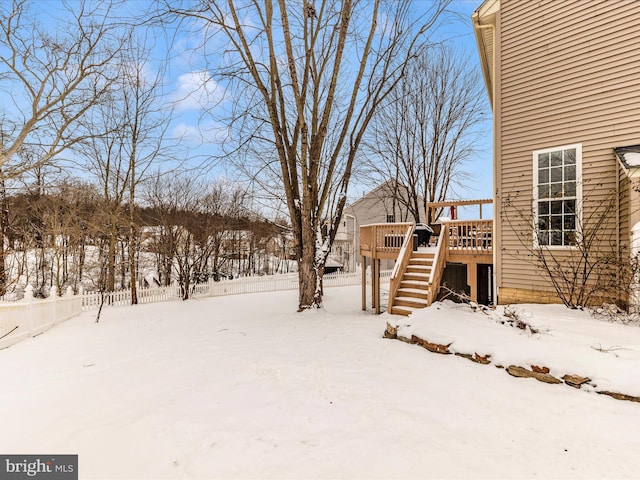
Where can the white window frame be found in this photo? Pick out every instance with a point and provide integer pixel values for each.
(578, 197)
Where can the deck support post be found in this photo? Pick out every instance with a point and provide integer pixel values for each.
(376, 276)
(472, 280)
(373, 283)
(364, 282)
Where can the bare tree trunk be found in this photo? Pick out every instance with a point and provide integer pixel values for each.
(325, 69)
(133, 268)
(309, 293)
(111, 261)
(4, 225)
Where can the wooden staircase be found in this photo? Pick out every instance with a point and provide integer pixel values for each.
(413, 291)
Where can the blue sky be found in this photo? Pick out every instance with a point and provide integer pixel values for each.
(481, 167)
(191, 90)
(188, 73)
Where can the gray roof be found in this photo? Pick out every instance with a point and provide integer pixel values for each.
(629, 158)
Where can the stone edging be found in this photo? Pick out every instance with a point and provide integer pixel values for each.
(539, 373)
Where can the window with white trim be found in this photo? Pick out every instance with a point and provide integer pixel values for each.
(557, 192)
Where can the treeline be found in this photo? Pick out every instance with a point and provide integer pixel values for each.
(184, 231)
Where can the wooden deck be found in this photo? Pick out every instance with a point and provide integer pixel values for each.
(415, 281)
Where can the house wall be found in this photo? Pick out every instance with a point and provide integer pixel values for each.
(568, 72)
(371, 208)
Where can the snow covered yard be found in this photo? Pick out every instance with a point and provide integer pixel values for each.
(553, 337)
(244, 387)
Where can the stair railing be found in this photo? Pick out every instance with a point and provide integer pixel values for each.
(401, 265)
(439, 260)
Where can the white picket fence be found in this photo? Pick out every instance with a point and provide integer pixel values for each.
(30, 316)
(267, 283)
(121, 298)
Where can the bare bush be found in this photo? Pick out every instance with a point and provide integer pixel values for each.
(612, 313)
(516, 318)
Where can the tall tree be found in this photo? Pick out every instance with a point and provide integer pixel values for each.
(49, 82)
(427, 129)
(308, 78)
(127, 137)
(181, 210)
(144, 124)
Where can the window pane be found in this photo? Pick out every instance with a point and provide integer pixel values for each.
(570, 156)
(543, 160)
(543, 208)
(543, 191)
(556, 174)
(543, 175)
(556, 207)
(570, 189)
(555, 190)
(570, 172)
(569, 206)
(556, 222)
(543, 223)
(569, 238)
(556, 238)
(569, 222)
(556, 158)
(543, 238)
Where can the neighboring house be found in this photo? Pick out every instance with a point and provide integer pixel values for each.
(563, 78)
(384, 204)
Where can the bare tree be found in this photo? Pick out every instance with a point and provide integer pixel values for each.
(308, 78)
(184, 229)
(51, 227)
(223, 204)
(108, 161)
(49, 83)
(127, 137)
(144, 124)
(427, 129)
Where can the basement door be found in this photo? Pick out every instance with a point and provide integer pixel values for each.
(485, 284)
(454, 278)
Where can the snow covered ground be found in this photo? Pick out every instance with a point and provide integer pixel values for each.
(244, 387)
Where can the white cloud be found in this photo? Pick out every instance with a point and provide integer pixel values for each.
(207, 132)
(197, 91)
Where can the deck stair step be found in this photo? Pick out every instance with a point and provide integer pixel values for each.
(399, 310)
(411, 302)
(423, 259)
(418, 268)
(416, 276)
(419, 284)
(413, 291)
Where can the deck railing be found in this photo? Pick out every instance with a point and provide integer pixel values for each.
(439, 260)
(383, 240)
(401, 264)
(470, 236)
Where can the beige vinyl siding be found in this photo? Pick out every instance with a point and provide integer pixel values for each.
(624, 211)
(569, 74)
